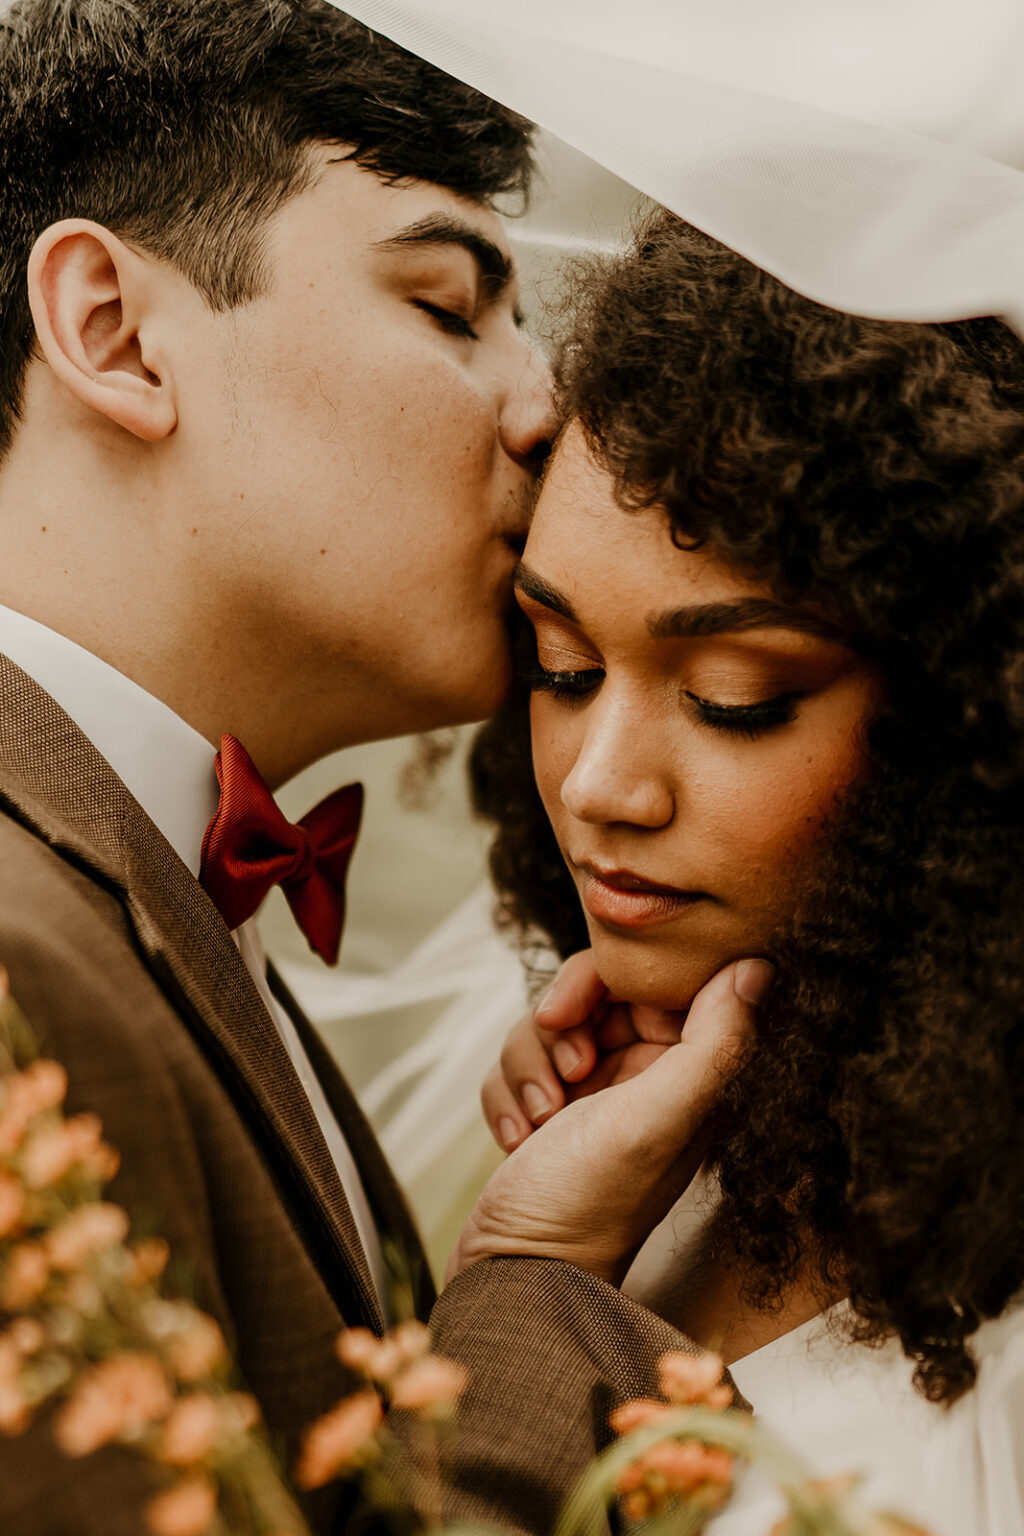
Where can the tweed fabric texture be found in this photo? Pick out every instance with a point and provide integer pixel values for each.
(551, 1351)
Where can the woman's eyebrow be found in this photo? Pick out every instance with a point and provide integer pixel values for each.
(740, 614)
(541, 591)
(695, 620)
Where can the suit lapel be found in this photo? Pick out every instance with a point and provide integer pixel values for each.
(390, 1210)
(55, 782)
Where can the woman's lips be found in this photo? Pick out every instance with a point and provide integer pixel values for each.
(628, 901)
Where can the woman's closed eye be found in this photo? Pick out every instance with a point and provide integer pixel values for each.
(571, 685)
(748, 720)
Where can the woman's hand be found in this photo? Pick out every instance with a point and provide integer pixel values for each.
(592, 1183)
(576, 1041)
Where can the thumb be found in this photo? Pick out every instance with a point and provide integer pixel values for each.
(678, 1090)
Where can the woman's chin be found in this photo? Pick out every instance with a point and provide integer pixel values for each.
(638, 972)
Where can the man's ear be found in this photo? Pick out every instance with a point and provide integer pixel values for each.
(90, 297)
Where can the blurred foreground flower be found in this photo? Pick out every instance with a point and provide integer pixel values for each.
(675, 1461)
(85, 1329)
(692, 1474)
(353, 1440)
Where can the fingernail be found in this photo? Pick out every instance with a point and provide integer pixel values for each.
(535, 1100)
(508, 1132)
(752, 980)
(566, 1057)
(547, 999)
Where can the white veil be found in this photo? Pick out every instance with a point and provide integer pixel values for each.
(867, 152)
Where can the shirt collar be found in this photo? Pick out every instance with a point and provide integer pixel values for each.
(160, 759)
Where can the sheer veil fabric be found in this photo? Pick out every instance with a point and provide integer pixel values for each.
(869, 153)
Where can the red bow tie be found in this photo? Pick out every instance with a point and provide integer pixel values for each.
(250, 846)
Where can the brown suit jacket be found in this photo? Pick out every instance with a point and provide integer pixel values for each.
(130, 977)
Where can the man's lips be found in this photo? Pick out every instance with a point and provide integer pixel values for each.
(629, 900)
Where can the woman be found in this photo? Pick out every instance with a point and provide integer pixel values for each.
(776, 657)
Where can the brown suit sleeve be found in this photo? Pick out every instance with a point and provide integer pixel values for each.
(550, 1350)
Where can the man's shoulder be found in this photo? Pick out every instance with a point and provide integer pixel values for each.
(66, 942)
(46, 889)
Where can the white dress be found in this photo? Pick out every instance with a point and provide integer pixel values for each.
(850, 1408)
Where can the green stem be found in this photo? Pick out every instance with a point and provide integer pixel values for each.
(584, 1511)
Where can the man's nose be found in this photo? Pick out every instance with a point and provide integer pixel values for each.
(619, 775)
(528, 420)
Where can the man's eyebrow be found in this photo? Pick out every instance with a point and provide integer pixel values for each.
(541, 591)
(497, 269)
(743, 613)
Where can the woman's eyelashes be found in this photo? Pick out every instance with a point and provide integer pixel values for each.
(569, 686)
(450, 320)
(747, 720)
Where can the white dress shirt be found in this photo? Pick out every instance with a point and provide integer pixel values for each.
(169, 769)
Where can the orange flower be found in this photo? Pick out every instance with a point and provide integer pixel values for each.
(24, 1276)
(431, 1385)
(47, 1156)
(701, 1474)
(148, 1260)
(88, 1230)
(12, 1203)
(191, 1431)
(53, 1150)
(45, 1084)
(382, 1359)
(197, 1350)
(639, 1410)
(412, 1340)
(686, 1379)
(115, 1400)
(90, 1417)
(341, 1440)
(358, 1348)
(187, 1509)
(27, 1335)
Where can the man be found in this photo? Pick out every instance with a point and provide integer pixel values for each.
(268, 428)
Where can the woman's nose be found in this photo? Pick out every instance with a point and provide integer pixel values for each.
(618, 777)
(529, 421)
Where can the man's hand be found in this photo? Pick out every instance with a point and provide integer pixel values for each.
(576, 1041)
(591, 1184)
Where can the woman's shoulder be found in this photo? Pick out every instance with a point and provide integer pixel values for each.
(853, 1408)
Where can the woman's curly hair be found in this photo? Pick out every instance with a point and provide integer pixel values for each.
(875, 469)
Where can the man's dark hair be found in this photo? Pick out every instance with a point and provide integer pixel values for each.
(183, 125)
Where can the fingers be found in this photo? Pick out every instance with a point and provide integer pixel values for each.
(617, 1067)
(573, 995)
(623, 1024)
(674, 1096)
(573, 1052)
(506, 1119)
(527, 1087)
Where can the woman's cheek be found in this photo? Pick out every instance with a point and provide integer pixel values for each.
(554, 754)
(782, 812)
